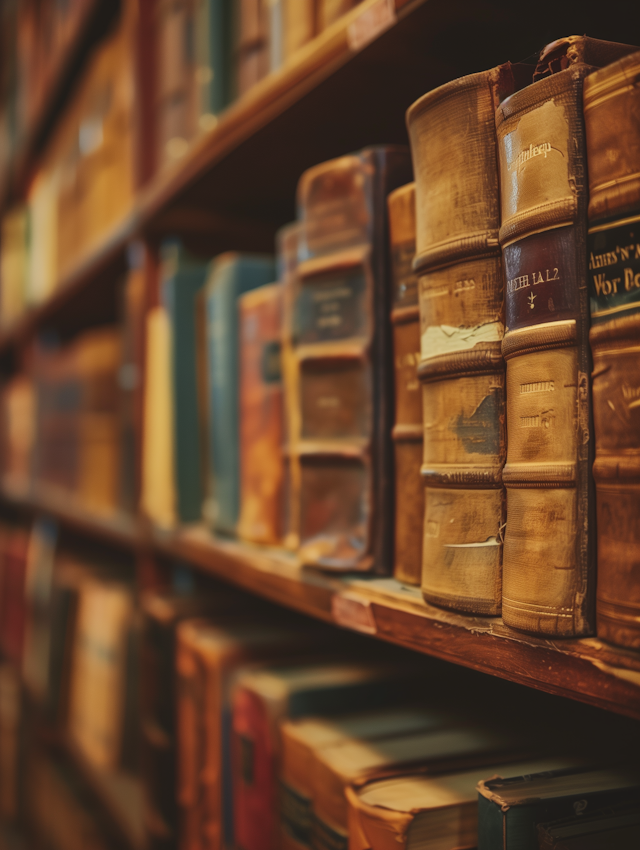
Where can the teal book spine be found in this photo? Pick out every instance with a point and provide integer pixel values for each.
(213, 37)
(179, 289)
(231, 276)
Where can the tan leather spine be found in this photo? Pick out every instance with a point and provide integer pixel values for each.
(548, 569)
(407, 430)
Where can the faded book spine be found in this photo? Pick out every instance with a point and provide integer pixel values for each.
(548, 573)
(261, 416)
(461, 328)
(612, 125)
(407, 429)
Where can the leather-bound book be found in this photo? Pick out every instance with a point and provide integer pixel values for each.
(407, 429)
(510, 809)
(261, 416)
(612, 123)
(231, 275)
(341, 428)
(549, 551)
(461, 369)
(182, 277)
(417, 811)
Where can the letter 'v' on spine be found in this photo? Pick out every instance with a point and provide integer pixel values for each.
(461, 369)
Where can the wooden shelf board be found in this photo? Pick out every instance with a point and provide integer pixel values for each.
(587, 669)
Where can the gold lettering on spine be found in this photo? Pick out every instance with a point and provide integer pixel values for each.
(537, 387)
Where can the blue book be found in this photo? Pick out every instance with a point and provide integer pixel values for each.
(182, 278)
(230, 276)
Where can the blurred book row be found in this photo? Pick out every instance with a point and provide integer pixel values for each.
(250, 727)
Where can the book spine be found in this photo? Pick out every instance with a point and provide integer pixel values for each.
(407, 430)
(611, 123)
(341, 342)
(548, 574)
(189, 741)
(461, 329)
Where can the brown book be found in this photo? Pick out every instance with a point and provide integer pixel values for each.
(261, 416)
(611, 112)
(549, 554)
(340, 429)
(458, 263)
(407, 429)
(613, 826)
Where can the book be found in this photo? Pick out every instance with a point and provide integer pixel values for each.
(613, 162)
(613, 826)
(264, 698)
(550, 442)
(230, 276)
(212, 33)
(157, 498)
(10, 713)
(98, 678)
(133, 311)
(421, 811)
(252, 55)
(303, 739)
(453, 143)
(18, 431)
(510, 809)
(261, 403)
(182, 277)
(439, 750)
(14, 543)
(341, 391)
(209, 654)
(407, 428)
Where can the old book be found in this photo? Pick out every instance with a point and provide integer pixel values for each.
(14, 543)
(212, 33)
(39, 589)
(299, 24)
(18, 431)
(407, 429)
(252, 57)
(99, 666)
(340, 433)
(230, 276)
(611, 106)
(303, 739)
(133, 310)
(157, 499)
(261, 408)
(209, 654)
(264, 698)
(614, 826)
(354, 762)
(509, 809)
(182, 277)
(420, 812)
(550, 446)
(461, 369)
(10, 723)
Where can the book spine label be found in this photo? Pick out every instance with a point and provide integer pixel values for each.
(331, 307)
(614, 270)
(335, 398)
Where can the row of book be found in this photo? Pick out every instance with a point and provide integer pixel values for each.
(263, 730)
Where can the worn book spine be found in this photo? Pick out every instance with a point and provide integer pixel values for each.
(612, 124)
(549, 563)
(342, 384)
(261, 416)
(407, 429)
(461, 328)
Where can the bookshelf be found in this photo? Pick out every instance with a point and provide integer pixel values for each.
(232, 189)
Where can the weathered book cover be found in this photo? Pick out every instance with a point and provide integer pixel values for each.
(612, 124)
(612, 826)
(231, 275)
(261, 416)
(549, 556)
(182, 277)
(459, 268)
(407, 429)
(341, 423)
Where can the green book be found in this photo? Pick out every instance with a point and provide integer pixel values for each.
(509, 810)
(231, 275)
(182, 276)
(213, 36)
(612, 827)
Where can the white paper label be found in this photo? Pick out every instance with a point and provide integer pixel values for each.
(445, 339)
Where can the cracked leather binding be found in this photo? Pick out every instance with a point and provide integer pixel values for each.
(458, 263)
(339, 383)
(612, 123)
(549, 555)
(407, 430)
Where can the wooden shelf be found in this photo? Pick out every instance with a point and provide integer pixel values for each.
(588, 669)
